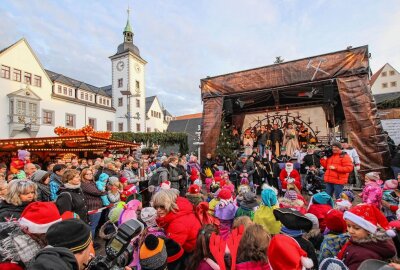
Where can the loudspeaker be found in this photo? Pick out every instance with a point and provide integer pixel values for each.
(228, 106)
(328, 95)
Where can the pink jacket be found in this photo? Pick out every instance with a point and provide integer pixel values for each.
(372, 194)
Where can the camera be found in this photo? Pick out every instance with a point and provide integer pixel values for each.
(119, 250)
(326, 153)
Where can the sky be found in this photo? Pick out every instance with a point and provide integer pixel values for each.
(184, 41)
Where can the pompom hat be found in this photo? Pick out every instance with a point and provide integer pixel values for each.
(335, 222)
(39, 216)
(149, 215)
(285, 253)
(194, 189)
(224, 194)
(368, 217)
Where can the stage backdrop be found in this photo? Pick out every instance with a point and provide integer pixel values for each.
(312, 118)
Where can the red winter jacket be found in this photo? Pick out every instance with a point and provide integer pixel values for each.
(293, 174)
(320, 210)
(343, 166)
(181, 226)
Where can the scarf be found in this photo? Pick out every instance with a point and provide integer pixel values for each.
(292, 233)
(70, 186)
(44, 189)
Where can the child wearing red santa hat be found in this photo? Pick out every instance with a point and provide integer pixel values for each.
(369, 236)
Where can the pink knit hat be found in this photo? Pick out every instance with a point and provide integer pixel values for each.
(390, 184)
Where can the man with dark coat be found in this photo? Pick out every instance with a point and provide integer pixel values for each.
(245, 168)
(210, 164)
(276, 139)
(262, 138)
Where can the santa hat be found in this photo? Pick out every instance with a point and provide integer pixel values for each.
(335, 222)
(283, 246)
(39, 216)
(165, 185)
(289, 167)
(390, 184)
(194, 189)
(224, 194)
(368, 217)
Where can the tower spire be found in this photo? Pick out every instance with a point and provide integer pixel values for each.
(128, 34)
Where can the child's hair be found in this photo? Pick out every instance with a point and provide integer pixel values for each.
(242, 220)
(253, 245)
(202, 250)
(68, 175)
(18, 187)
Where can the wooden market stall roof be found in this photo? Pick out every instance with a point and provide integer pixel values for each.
(85, 139)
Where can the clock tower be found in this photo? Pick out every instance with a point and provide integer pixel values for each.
(128, 85)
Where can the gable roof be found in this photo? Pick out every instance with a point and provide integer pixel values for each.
(25, 92)
(189, 116)
(376, 75)
(57, 77)
(166, 113)
(149, 102)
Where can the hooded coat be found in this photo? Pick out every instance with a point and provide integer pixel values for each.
(181, 226)
(343, 166)
(54, 258)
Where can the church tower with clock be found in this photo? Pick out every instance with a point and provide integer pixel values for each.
(128, 85)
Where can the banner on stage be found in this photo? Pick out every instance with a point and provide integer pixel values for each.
(392, 126)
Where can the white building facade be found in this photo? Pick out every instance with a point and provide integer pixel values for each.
(385, 80)
(35, 100)
(157, 118)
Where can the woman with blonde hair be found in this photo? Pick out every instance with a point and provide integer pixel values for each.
(176, 216)
(21, 192)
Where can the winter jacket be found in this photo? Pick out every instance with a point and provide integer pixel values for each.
(253, 266)
(181, 226)
(104, 170)
(55, 184)
(320, 210)
(163, 174)
(331, 245)
(343, 166)
(54, 258)
(372, 194)
(357, 252)
(130, 175)
(10, 211)
(43, 193)
(72, 200)
(92, 195)
(293, 174)
(311, 159)
(174, 176)
(240, 167)
(193, 164)
(265, 217)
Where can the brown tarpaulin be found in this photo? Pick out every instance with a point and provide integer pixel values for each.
(349, 67)
(364, 126)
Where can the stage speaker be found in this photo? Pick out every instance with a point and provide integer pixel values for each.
(228, 106)
(329, 95)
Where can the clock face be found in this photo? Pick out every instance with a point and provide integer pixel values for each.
(137, 68)
(120, 66)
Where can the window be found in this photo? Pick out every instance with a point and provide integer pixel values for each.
(48, 117)
(109, 126)
(152, 114)
(384, 85)
(108, 102)
(391, 73)
(91, 98)
(69, 120)
(5, 72)
(148, 129)
(28, 78)
(59, 89)
(81, 95)
(384, 74)
(32, 109)
(138, 127)
(65, 90)
(37, 81)
(11, 107)
(17, 75)
(137, 103)
(70, 92)
(393, 84)
(86, 96)
(21, 107)
(137, 85)
(120, 82)
(120, 126)
(92, 122)
(120, 102)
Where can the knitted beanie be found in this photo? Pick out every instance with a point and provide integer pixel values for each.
(313, 219)
(112, 180)
(153, 254)
(194, 189)
(390, 184)
(335, 222)
(37, 217)
(73, 234)
(337, 144)
(103, 177)
(332, 264)
(174, 250)
(22, 154)
(149, 215)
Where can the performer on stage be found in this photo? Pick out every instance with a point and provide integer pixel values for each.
(303, 135)
(262, 138)
(290, 140)
(248, 143)
(276, 139)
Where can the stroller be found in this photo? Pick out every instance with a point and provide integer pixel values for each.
(313, 181)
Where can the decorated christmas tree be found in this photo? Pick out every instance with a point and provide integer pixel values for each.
(226, 143)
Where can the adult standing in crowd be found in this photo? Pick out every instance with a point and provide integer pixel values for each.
(128, 172)
(209, 163)
(70, 196)
(174, 175)
(262, 138)
(108, 168)
(55, 180)
(29, 170)
(42, 180)
(337, 170)
(276, 139)
(352, 152)
(245, 168)
(92, 198)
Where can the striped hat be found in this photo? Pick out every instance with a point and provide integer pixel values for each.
(153, 254)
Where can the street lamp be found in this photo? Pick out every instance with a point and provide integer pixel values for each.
(199, 143)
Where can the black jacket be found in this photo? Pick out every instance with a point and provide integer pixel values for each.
(311, 159)
(54, 258)
(248, 167)
(8, 211)
(72, 200)
(276, 135)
